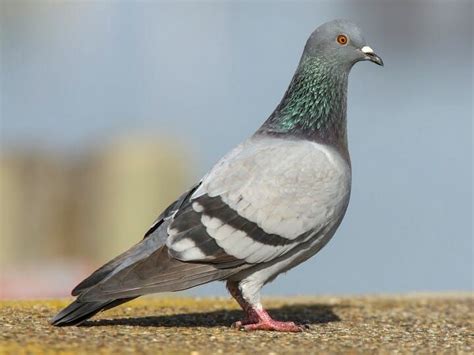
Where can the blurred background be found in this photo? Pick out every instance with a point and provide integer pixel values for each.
(109, 109)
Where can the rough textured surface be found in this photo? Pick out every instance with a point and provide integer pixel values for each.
(426, 323)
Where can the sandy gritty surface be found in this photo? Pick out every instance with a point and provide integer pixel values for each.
(430, 323)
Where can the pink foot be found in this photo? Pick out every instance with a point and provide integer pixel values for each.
(261, 320)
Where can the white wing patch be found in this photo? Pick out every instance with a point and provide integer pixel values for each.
(188, 249)
(238, 243)
(183, 244)
(197, 207)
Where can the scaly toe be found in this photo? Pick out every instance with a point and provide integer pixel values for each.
(239, 324)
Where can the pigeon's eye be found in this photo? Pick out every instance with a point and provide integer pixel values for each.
(342, 40)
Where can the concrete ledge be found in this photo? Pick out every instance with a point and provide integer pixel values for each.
(417, 323)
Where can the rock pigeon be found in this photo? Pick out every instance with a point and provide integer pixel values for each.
(268, 205)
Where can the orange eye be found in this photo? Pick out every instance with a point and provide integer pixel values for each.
(342, 39)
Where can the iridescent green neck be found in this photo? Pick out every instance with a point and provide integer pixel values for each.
(314, 106)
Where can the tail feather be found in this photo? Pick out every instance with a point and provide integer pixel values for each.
(137, 252)
(77, 312)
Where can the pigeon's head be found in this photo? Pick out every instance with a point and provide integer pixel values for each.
(340, 42)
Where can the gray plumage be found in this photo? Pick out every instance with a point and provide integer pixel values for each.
(271, 203)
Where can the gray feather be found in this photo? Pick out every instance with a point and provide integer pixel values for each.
(157, 273)
(77, 312)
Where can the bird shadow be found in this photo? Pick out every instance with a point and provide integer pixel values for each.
(307, 314)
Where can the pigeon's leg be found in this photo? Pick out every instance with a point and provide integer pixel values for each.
(256, 317)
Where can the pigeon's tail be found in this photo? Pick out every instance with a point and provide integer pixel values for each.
(77, 312)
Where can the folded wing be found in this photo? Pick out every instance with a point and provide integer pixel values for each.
(267, 197)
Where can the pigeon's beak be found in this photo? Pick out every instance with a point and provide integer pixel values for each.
(370, 55)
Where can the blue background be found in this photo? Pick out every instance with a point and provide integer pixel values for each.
(209, 73)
